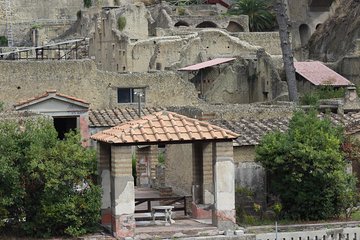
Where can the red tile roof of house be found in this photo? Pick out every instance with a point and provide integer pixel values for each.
(206, 64)
(319, 74)
(46, 95)
(163, 126)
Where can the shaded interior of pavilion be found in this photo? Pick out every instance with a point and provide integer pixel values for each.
(127, 208)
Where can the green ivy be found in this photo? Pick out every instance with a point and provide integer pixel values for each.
(121, 23)
(3, 41)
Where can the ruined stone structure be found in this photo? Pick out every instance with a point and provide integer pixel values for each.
(307, 16)
(39, 20)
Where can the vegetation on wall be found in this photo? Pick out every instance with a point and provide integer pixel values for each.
(261, 15)
(324, 92)
(87, 3)
(3, 41)
(46, 184)
(307, 168)
(121, 23)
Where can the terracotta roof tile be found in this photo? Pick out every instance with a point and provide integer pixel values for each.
(252, 130)
(163, 126)
(47, 94)
(319, 74)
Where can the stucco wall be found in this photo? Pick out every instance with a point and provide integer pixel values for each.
(179, 168)
(81, 79)
(249, 174)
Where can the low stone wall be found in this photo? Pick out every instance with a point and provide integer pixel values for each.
(329, 234)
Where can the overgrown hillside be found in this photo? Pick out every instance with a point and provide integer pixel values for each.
(335, 38)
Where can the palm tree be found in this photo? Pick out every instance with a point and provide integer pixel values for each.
(261, 16)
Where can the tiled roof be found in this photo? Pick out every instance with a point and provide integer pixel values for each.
(116, 116)
(47, 94)
(319, 74)
(163, 126)
(252, 130)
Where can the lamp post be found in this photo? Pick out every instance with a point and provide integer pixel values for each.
(140, 95)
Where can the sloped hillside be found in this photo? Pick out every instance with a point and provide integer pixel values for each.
(335, 38)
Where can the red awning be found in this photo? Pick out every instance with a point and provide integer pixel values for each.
(319, 74)
(206, 64)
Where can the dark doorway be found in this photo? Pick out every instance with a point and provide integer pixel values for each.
(64, 125)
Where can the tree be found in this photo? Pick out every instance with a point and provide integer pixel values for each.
(46, 185)
(307, 168)
(261, 16)
(288, 59)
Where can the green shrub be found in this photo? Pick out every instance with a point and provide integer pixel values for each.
(46, 185)
(181, 11)
(87, 3)
(323, 92)
(121, 23)
(161, 158)
(307, 168)
(3, 41)
(78, 14)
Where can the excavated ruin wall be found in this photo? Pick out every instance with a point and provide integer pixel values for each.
(50, 14)
(23, 80)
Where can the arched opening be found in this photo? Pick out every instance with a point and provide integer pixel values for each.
(181, 23)
(305, 34)
(207, 24)
(234, 27)
(318, 26)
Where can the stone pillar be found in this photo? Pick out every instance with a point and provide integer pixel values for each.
(103, 151)
(224, 215)
(122, 192)
(208, 183)
(351, 100)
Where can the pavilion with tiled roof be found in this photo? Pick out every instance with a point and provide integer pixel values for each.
(212, 159)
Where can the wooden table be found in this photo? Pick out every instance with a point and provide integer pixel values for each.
(167, 213)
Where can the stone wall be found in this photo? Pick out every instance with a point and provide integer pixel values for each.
(349, 67)
(179, 168)
(50, 14)
(23, 80)
(270, 41)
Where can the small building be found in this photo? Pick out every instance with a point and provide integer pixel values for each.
(68, 113)
(311, 75)
(212, 160)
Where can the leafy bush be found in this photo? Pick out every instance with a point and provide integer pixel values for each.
(3, 41)
(46, 185)
(87, 3)
(121, 23)
(324, 92)
(307, 168)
